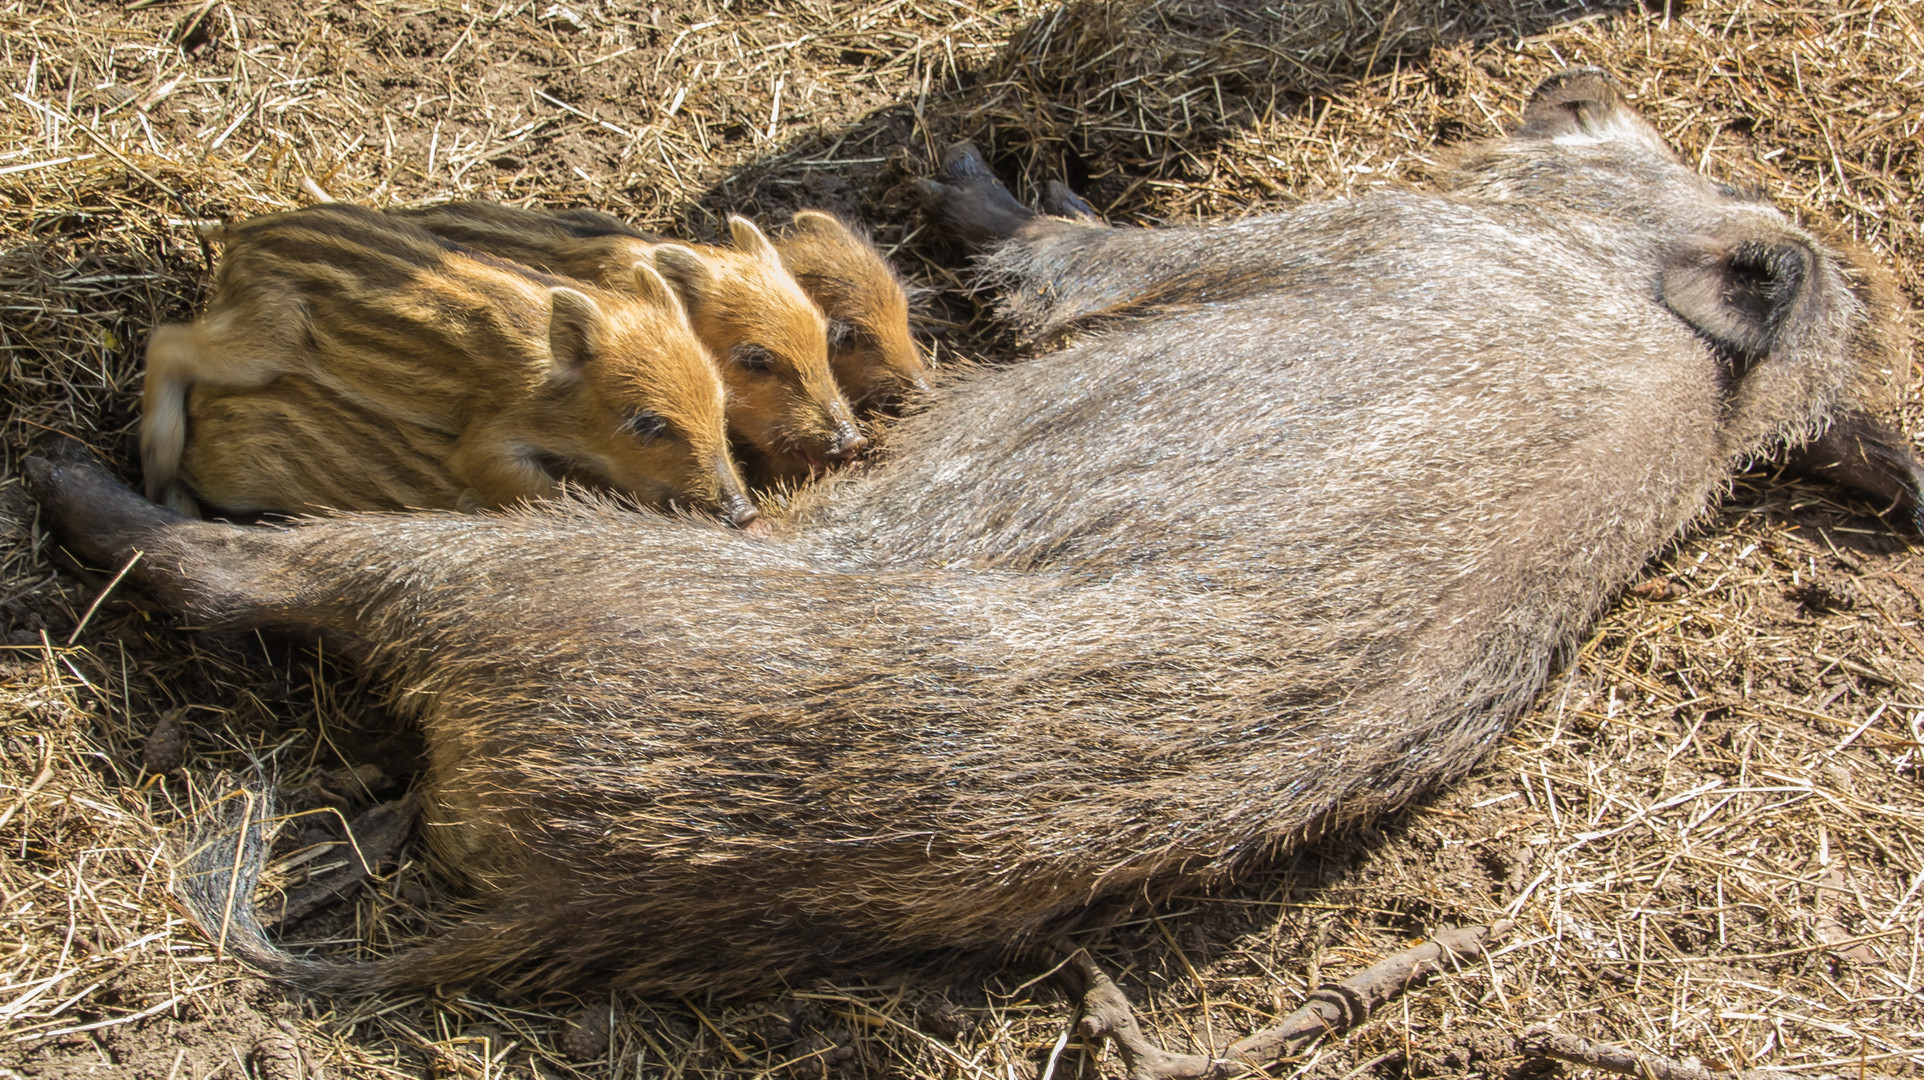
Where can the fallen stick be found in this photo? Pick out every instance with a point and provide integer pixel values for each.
(1331, 1009)
(1543, 1041)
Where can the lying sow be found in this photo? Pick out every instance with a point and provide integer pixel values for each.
(1289, 539)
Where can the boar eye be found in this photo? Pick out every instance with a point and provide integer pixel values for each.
(840, 332)
(646, 425)
(754, 358)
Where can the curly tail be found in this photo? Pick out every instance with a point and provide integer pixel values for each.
(218, 867)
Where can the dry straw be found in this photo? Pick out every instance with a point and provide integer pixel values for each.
(1708, 832)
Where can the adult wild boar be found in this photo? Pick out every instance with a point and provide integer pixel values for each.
(1290, 539)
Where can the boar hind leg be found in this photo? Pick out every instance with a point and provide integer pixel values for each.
(223, 573)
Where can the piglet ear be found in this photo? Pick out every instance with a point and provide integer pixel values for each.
(1749, 290)
(1585, 106)
(826, 226)
(750, 241)
(654, 289)
(576, 329)
(686, 270)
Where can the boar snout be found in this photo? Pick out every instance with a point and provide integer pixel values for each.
(1868, 456)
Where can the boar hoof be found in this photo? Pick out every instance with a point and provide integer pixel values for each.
(969, 201)
(1057, 199)
(100, 519)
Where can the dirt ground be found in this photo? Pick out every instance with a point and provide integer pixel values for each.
(1708, 832)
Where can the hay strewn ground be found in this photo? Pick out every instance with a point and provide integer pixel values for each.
(1709, 831)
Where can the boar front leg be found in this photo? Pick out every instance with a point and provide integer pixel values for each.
(973, 206)
(1869, 456)
(969, 202)
(1067, 267)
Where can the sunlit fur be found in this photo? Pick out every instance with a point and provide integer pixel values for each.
(871, 348)
(292, 447)
(740, 300)
(1300, 516)
(527, 380)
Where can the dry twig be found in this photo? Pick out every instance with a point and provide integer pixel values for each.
(1332, 1009)
(1544, 1041)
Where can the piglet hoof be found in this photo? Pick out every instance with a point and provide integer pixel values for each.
(1057, 199)
(969, 202)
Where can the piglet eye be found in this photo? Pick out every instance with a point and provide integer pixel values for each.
(754, 358)
(646, 425)
(840, 331)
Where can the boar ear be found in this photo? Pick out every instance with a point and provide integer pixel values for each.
(1746, 290)
(687, 271)
(1585, 105)
(575, 329)
(653, 288)
(750, 241)
(827, 226)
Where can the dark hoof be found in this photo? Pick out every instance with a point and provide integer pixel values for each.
(59, 470)
(40, 475)
(1059, 200)
(65, 450)
(964, 165)
(99, 517)
(969, 202)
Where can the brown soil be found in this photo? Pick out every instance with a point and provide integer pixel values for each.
(1708, 830)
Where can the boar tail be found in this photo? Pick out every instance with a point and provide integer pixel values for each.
(218, 867)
